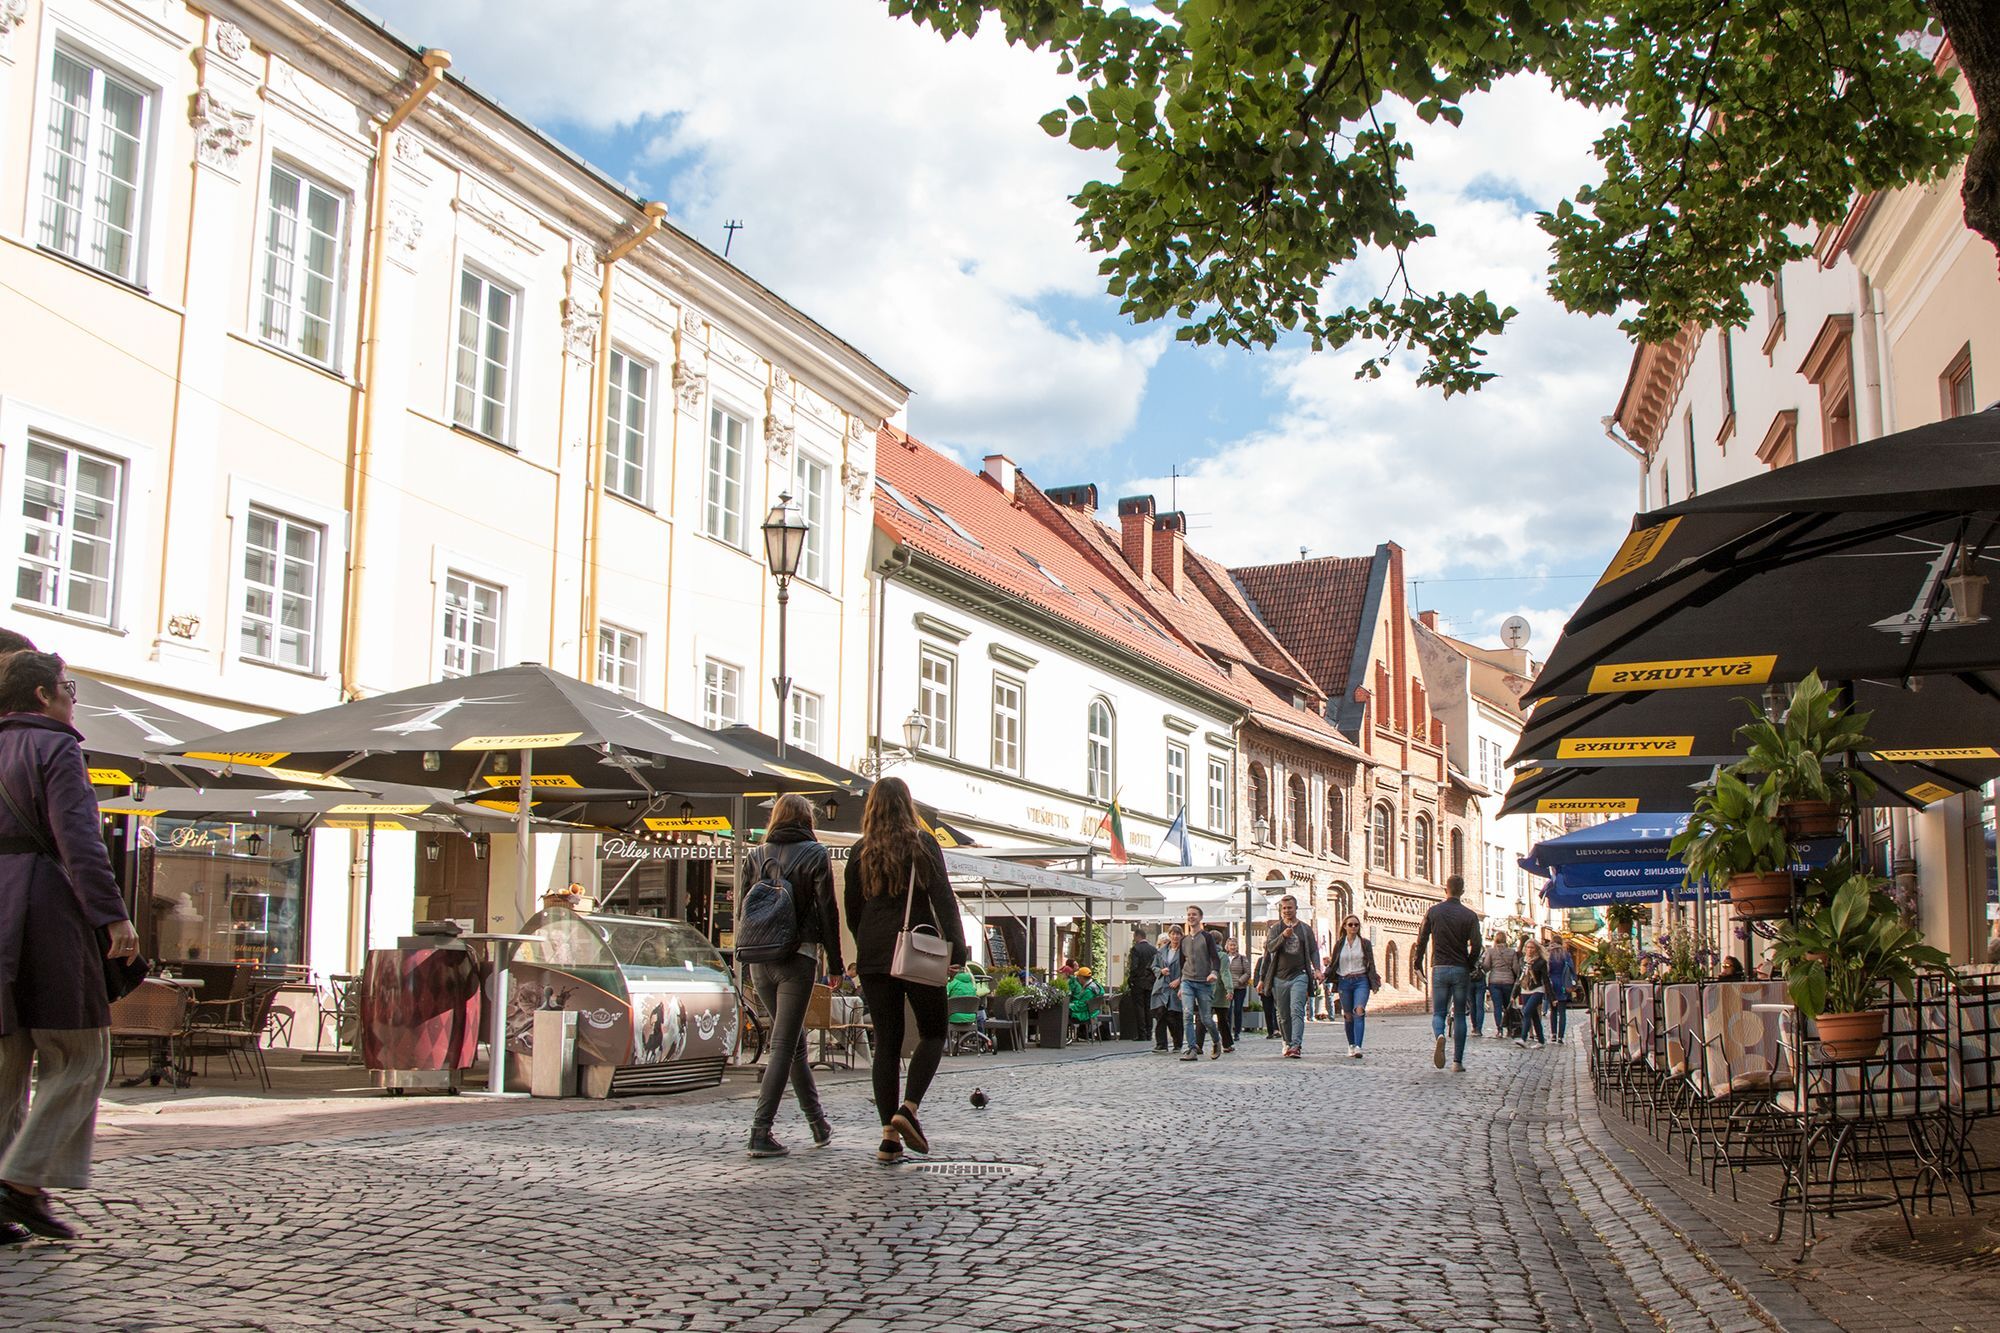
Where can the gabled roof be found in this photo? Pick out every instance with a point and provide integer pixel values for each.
(1316, 608)
(937, 508)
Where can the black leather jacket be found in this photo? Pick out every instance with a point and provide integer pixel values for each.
(803, 862)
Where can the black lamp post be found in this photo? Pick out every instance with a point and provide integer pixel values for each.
(784, 547)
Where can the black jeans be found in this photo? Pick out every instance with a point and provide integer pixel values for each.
(885, 996)
(1166, 1022)
(785, 989)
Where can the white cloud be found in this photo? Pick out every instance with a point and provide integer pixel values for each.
(892, 185)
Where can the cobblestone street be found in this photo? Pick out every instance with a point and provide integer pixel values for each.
(1108, 1188)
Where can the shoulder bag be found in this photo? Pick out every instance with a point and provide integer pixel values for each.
(121, 975)
(921, 959)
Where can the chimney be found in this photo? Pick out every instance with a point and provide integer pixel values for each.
(999, 469)
(1169, 537)
(1429, 618)
(1082, 497)
(1135, 526)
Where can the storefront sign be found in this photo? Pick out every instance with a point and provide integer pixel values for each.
(638, 849)
(1691, 673)
(190, 836)
(692, 824)
(1626, 747)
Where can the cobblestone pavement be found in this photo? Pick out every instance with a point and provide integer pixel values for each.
(1119, 1190)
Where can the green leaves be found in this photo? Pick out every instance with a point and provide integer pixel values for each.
(1848, 951)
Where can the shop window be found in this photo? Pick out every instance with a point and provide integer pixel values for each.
(227, 893)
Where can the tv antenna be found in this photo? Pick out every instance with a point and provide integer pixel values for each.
(732, 226)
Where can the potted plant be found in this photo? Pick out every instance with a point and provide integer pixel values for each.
(1048, 1001)
(1803, 754)
(1621, 919)
(1253, 1013)
(1840, 954)
(1735, 841)
(1617, 961)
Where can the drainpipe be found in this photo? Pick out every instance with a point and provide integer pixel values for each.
(436, 62)
(1612, 434)
(655, 219)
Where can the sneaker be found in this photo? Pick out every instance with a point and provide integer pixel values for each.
(31, 1211)
(1357, 1052)
(1191, 1055)
(763, 1144)
(822, 1130)
(1540, 1044)
(904, 1122)
(890, 1150)
(1437, 1053)
(1159, 1050)
(1521, 1042)
(1354, 1052)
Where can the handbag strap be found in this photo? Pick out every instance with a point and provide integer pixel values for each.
(910, 896)
(33, 827)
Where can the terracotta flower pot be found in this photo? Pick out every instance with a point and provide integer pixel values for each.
(1761, 897)
(1851, 1036)
(1810, 819)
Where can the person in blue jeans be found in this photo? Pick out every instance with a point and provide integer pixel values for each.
(1353, 972)
(1534, 990)
(1451, 934)
(1293, 949)
(1201, 967)
(1562, 981)
(1501, 965)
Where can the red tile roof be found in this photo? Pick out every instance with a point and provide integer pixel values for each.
(1314, 607)
(1007, 544)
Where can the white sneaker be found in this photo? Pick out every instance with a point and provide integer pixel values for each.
(1522, 1044)
(1354, 1052)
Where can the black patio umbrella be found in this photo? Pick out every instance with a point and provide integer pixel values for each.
(386, 808)
(1867, 563)
(121, 731)
(1647, 786)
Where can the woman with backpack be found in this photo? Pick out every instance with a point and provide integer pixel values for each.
(790, 899)
(897, 884)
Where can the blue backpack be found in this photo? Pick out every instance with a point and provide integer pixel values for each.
(767, 919)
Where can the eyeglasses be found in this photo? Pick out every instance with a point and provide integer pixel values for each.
(67, 686)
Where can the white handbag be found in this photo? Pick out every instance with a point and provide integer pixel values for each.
(923, 957)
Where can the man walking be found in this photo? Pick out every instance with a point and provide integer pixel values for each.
(1451, 929)
(1295, 970)
(1201, 968)
(1239, 989)
(1136, 1014)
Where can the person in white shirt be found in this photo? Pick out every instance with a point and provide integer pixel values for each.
(1354, 976)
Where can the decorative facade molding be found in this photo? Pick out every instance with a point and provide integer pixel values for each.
(314, 100)
(221, 131)
(580, 327)
(509, 223)
(411, 148)
(406, 231)
(854, 481)
(778, 438)
(13, 13)
(691, 385)
(231, 40)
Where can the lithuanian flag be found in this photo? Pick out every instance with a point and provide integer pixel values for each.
(1114, 824)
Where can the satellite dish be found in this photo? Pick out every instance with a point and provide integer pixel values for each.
(1515, 631)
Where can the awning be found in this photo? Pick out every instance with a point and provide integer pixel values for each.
(1000, 875)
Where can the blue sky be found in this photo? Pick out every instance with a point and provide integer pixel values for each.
(896, 188)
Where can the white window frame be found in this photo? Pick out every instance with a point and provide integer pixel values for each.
(308, 182)
(612, 654)
(491, 282)
(473, 582)
(1220, 807)
(59, 37)
(60, 565)
(1005, 716)
(243, 495)
(1100, 781)
(618, 434)
(805, 715)
(937, 701)
(716, 513)
(721, 682)
(1177, 778)
(814, 566)
(315, 605)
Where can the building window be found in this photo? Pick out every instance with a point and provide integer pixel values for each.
(802, 729)
(1299, 812)
(485, 355)
(302, 243)
(810, 478)
(70, 514)
(1260, 799)
(471, 638)
(1098, 750)
(1391, 960)
(937, 698)
(281, 560)
(1458, 852)
(1728, 386)
(1829, 364)
(1781, 442)
(620, 654)
(1955, 386)
(722, 514)
(1177, 775)
(1382, 838)
(1687, 422)
(1420, 847)
(1774, 310)
(1336, 821)
(1221, 817)
(628, 423)
(93, 175)
(721, 694)
(1007, 724)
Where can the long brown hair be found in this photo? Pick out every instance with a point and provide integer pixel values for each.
(891, 838)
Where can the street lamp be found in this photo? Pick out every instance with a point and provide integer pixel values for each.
(1261, 829)
(915, 728)
(784, 547)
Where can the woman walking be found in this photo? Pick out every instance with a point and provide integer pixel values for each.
(1354, 978)
(1501, 965)
(785, 987)
(1166, 995)
(1562, 984)
(1534, 985)
(896, 878)
(60, 916)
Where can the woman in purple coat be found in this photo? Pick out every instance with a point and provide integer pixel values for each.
(52, 999)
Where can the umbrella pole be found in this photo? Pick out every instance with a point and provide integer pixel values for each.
(524, 845)
(368, 892)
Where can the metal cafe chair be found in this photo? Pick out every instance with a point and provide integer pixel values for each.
(154, 1018)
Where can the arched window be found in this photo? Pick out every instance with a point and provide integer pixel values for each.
(1103, 734)
(1458, 852)
(1420, 847)
(1301, 814)
(1389, 960)
(1260, 796)
(1382, 838)
(1336, 821)
(1342, 900)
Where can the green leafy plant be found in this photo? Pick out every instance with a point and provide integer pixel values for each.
(1734, 830)
(1803, 753)
(1617, 960)
(1007, 988)
(1681, 962)
(1838, 953)
(1621, 919)
(1043, 994)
